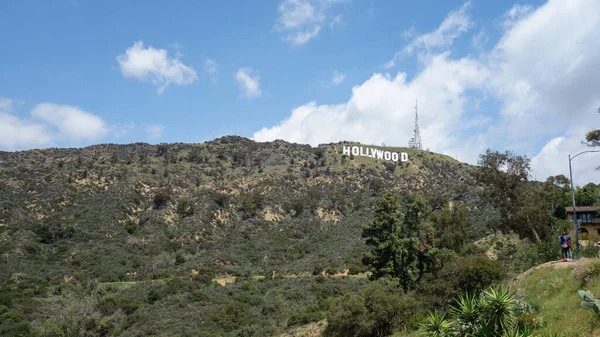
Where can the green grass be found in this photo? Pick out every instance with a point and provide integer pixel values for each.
(555, 290)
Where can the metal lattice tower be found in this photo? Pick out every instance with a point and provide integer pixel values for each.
(415, 142)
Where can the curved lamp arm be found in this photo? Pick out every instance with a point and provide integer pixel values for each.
(583, 153)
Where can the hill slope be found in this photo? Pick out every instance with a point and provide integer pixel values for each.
(137, 212)
(552, 289)
(234, 204)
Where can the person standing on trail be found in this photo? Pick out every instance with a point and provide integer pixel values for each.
(569, 247)
(564, 243)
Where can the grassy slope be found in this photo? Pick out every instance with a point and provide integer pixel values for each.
(553, 288)
(550, 287)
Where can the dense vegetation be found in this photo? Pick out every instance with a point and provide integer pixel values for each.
(128, 240)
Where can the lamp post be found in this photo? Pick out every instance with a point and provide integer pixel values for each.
(575, 224)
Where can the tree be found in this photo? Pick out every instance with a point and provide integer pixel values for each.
(401, 242)
(587, 195)
(557, 190)
(161, 197)
(451, 226)
(392, 253)
(378, 309)
(592, 139)
(503, 178)
(416, 220)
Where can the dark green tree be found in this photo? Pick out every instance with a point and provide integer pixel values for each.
(592, 139)
(558, 192)
(451, 226)
(587, 195)
(392, 252)
(401, 243)
(416, 220)
(503, 178)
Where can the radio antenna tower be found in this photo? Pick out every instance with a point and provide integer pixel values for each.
(415, 142)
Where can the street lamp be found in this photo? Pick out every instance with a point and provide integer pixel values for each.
(575, 224)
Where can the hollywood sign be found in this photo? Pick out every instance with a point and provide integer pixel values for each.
(375, 153)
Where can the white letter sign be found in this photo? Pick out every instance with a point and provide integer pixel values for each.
(375, 153)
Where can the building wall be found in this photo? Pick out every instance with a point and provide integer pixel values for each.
(595, 220)
(592, 229)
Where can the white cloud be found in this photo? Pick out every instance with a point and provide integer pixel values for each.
(544, 88)
(304, 36)
(71, 121)
(249, 84)
(480, 40)
(544, 73)
(337, 20)
(302, 20)
(553, 159)
(121, 130)
(516, 13)
(337, 78)
(48, 123)
(154, 131)
(155, 65)
(16, 133)
(6, 104)
(382, 109)
(210, 68)
(454, 25)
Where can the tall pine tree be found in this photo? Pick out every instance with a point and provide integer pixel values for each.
(400, 245)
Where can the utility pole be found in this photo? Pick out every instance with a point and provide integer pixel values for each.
(575, 222)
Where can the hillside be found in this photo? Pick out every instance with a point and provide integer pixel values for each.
(551, 290)
(127, 214)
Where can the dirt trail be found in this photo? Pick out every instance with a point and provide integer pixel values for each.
(555, 264)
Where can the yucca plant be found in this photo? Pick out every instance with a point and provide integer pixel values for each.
(498, 309)
(517, 333)
(492, 313)
(436, 325)
(467, 312)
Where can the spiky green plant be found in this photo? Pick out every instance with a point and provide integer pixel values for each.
(514, 333)
(492, 313)
(436, 325)
(467, 312)
(498, 309)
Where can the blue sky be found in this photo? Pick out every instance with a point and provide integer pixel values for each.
(76, 73)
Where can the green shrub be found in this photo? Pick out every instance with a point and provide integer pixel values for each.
(460, 275)
(474, 274)
(130, 226)
(527, 321)
(161, 198)
(525, 314)
(353, 270)
(588, 269)
(471, 249)
(185, 207)
(589, 252)
(378, 310)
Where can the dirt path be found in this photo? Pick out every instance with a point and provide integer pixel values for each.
(555, 264)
